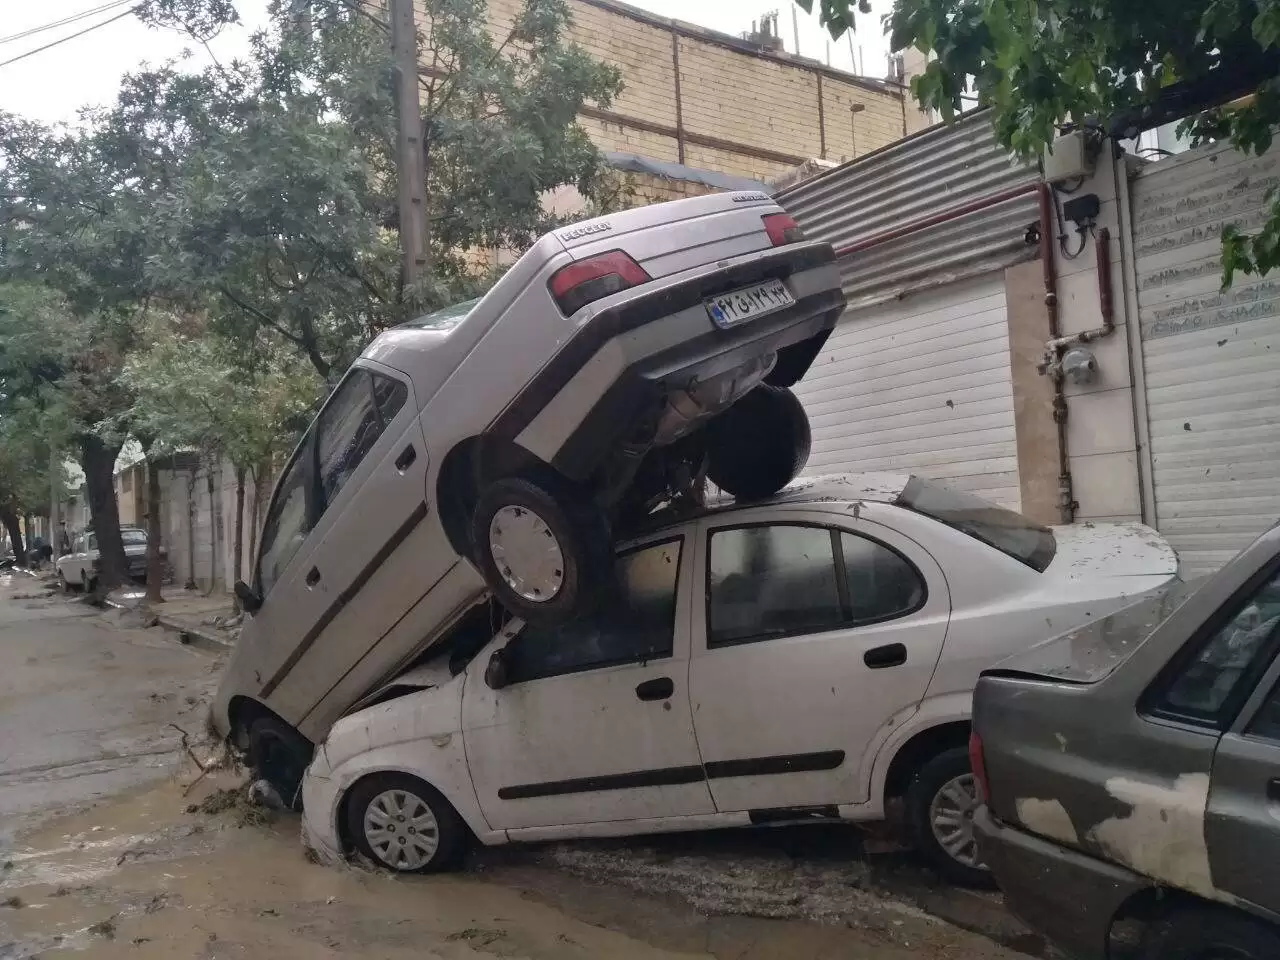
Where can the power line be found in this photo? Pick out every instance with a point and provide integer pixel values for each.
(64, 21)
(71, 36)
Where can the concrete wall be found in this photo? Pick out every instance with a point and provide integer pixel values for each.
(717, 103)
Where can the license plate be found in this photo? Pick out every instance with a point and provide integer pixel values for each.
(737, 306)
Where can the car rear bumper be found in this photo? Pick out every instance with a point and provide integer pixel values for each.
(1067, 896)
(611, 373)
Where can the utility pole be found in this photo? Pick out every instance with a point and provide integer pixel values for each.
(412, 168)
(795, 29)
(54, 498)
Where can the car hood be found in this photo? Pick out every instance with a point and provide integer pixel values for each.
(1091, 652)
(1088, 550)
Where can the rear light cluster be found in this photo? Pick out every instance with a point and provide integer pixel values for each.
(978, 762)
(782, 229)
(586, 281)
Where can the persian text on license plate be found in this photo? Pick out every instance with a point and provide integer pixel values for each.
(739, 305)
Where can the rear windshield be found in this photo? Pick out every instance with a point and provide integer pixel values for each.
(133, 537)
(445, 319)
(1010, 533)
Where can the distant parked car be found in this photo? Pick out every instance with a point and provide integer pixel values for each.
(800, 660)
(79, 568)
(1131, 770)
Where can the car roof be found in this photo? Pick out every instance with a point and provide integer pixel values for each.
(832, 488)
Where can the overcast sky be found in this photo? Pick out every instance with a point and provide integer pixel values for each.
(52, 85)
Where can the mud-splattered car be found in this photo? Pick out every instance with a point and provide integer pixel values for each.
(1131, 771)
(806, 659)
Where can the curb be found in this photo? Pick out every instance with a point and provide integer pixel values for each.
(184, 630)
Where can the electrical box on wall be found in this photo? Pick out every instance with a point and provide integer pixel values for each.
(1069, 157)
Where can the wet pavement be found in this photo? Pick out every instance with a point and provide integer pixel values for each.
(108, 849)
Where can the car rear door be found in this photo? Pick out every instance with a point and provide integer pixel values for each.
(367, 465)
(818, 632)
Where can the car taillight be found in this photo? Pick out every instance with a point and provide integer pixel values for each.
(589, 280)
(978, 763)
(782, 229)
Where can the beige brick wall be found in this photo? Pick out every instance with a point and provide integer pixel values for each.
(730, 95)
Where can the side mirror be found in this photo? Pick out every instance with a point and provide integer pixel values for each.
(249, 599)
(495, 674)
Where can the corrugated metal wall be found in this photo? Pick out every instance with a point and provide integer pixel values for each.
(916, 377)
(941, 168)
(1211, 360)
(922, 387)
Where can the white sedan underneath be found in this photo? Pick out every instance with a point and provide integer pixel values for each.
(805, 659)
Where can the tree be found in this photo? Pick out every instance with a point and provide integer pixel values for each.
(197, 391)
(283, 216)
(1041, 65)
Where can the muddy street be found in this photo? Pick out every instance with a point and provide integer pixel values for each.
(109, 851)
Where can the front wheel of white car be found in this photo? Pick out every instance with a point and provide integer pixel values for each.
(543, 546)
(401, 823)
(759, 445)
(941, 802)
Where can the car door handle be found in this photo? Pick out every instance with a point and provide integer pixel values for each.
(406, 458)
(313, 576)
(890, 655)
(658, 689)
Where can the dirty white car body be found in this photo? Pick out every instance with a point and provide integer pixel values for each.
(369, 546)
(800, 659)
(79, 568)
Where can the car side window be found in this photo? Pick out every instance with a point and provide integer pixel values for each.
(1205, 684)
(635, 623)
(882, 584)
(351, 423)
(288, 521)
(1266, 722)
(771, 581)
(781, 580)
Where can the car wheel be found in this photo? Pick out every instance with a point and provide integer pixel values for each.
(401, 823)
(759, 445)
(1194, 933)
(278, 754)
(86, 585)
(941, 802)
(543, 545)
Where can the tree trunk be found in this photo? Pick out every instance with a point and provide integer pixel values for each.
(98, 459)
(191, 530)
(213, 529)
(14, 529)
(237, 563)
(155, 568)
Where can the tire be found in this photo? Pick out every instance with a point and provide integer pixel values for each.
(86, 585)
(280, 755)
(571, 580)
(389, 849)
(1206, 933)
(944, 779)
(759, 445)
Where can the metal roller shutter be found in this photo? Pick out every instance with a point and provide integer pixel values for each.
(921, 386)
(1211, 360)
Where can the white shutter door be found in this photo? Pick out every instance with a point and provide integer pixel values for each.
(920, 386)
(1211, 360)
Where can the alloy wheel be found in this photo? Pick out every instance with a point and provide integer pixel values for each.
(401, 830)
(527, 554)
(951, 819)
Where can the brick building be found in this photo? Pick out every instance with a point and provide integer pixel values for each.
(696, 102)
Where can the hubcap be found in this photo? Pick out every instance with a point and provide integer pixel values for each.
(951, 817)
(526, 553)
(401, 830)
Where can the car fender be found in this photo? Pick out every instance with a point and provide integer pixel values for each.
(930, 712)
(419, 734)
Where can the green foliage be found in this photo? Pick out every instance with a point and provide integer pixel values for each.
(1038, 65)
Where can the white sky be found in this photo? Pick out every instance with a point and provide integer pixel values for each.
(52, 85)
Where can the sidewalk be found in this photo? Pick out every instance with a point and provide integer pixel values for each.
(210, 618)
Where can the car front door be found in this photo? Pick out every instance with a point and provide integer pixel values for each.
(818, 633)
(1242, 828)
(370, 564)
(593, 723)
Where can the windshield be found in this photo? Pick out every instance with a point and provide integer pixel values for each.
(132, 538)
(1010, 533)
(445, 319)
